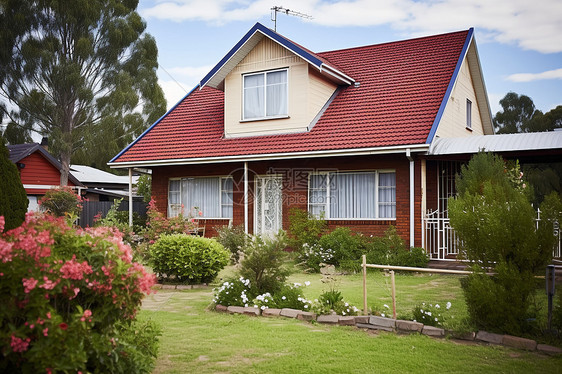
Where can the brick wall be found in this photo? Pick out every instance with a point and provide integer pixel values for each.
(295, 188)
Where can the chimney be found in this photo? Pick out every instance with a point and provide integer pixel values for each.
(45, 143)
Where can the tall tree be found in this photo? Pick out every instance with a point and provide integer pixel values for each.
(13, 198)
(517, 112)
(82, 72)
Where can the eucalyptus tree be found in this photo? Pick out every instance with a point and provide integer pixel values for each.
(82, 72)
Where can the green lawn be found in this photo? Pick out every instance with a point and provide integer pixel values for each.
(197, 340)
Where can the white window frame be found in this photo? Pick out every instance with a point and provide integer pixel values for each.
(175, 209)
(264, 73)
(468, 114)
(327, 204)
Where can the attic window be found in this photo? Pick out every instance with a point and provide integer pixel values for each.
(265, 95)
(468, 114)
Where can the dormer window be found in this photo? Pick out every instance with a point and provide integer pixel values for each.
(265, 95)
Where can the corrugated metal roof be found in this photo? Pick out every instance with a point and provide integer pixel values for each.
(497, 143)
(88, 174)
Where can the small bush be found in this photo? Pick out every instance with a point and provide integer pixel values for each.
(233, 291)
(305, 228)
(289, 296)
(263, 264)
(430, 314)
(347, 247)
(332, 302)
(234, 239)
(62, 202)
(391, 250)
(188, 259)
(312, 256)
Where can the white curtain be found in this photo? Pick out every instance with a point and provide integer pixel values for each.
(276, 93)
(203, 193)
(317, 198)
(226, 198)
(174, 202)
(254, 96)
(387, 195)
(353, 195)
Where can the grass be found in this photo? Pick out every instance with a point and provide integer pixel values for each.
(196, 339)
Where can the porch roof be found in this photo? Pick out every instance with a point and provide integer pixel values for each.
(538, 141)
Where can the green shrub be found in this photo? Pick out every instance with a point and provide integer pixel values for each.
(495, 222)
(234, 239)
(310, 257)
(188, 259)
(430, 314)
(288, 296)
(391, 250)
(13, 198)
(347, 247)
(69, 300)
(233, 291)
(305, 228)
(62, 202)
(263, 263)
(332, 301)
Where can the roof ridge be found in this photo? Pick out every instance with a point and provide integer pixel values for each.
(393, 42)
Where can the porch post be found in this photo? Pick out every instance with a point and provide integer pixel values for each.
(130, 197)
(423, 199)
(246, 197)
(409, 156)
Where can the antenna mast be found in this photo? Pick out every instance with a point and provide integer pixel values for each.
(288, 12)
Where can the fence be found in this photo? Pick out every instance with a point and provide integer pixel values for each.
(91, 208)
(442, 242)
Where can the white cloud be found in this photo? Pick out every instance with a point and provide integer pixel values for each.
(174, 91)
(532, 25)
(180, 80)
(530, 77)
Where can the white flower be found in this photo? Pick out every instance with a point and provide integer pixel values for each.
(283, 298)
(435, 319)
(448, 304)
(346, 304)
(386, 306)
(343, 313)
(297, 284)
(421, 310)
(305, 306)
(382, 315)
(437, 306)
(307, 283)
(262, 307)
(429, 314)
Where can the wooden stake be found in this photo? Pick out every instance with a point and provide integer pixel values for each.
(365, 312)
(393, 284)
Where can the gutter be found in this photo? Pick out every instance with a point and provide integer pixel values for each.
(275, 156)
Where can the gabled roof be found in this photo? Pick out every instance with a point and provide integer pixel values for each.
(400, 90)
(91, 176)
(20, 151)
(216, 76)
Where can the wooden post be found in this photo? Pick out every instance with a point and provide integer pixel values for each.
(365, 311)
(393, 284)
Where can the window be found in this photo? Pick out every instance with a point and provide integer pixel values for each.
(211, 195)
(363, 195)
(468, 114)
(265, 95)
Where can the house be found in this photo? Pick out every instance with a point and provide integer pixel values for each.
(345, 133)
(39, 171)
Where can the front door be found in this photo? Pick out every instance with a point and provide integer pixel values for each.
(268, 205)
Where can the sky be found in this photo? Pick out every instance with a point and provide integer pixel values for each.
(519, 41)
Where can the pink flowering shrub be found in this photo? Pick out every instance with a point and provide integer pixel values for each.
(61, 202)
(69, 299)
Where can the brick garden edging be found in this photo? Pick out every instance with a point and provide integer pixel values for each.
(395, 325)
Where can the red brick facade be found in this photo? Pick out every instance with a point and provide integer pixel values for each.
(295, 188)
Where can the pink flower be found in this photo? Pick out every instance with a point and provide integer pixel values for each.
(75, 270)
(87, 314)
(49, 315)
(5, 248)
(46, 331)
(49, 285)
(63, 326)
(2, 223)
(19, 345)
(29, 284)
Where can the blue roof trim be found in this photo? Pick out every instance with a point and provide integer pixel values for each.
(150, 128)
(271, 34)
(450, 87)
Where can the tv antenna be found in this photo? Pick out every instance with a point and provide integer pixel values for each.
(288, 12)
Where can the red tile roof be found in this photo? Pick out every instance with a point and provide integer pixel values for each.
(402, 87)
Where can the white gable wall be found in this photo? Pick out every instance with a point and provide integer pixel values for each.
(308, 92)
(453, 121)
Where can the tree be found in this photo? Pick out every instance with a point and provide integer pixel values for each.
(14, 134)
(13, 198)
(519, 115)
(517, 112)
(144, 187)
(495, 223)
(82, 72)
